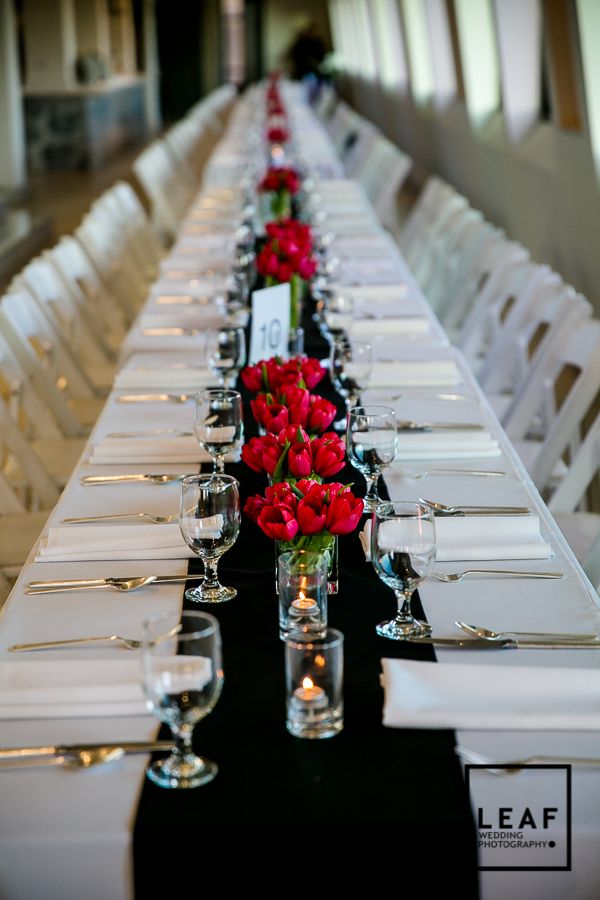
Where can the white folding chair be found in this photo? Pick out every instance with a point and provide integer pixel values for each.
(122, 201)
(44, 357)
(81, 278)
(170, 192)
(545, 417)
(70, 320)
(40, 410)
(100, 235)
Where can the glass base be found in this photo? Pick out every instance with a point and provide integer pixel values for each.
(400, 630)
(190, 772)
(204, 594)
(315, 731)
(371, 505)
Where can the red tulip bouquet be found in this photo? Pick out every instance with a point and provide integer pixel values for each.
(272, 375)
(292, 455)
(287, 257)
(281, 184)
(306, 515)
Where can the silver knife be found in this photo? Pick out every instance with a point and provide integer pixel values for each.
(84, 584)
(108, 479)
(507, 644)
(23, 753)
(171, 331)
(407, 425)
(171, 432)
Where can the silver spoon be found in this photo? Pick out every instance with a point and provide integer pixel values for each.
(488, 634)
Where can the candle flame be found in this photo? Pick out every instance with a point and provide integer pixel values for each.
(320, 660)
(307, 683)
(301, 595)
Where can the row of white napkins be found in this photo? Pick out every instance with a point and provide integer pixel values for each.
(439, 695)
(71, 688)
(74, 543)
(482, 538)
(157, 378)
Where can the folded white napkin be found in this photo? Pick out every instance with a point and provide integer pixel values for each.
(195, 263)
(161, 379)
(386, 325)
(439, 695)
(482, 538)
(143, 450)
(193, 287)
(460, 444)
(74, 543)
(420, 372)
(371, 292)
(65, 688)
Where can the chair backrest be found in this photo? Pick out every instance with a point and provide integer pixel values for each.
(549, 307)
(43, 365)
(136, 239)
(558, 395)
(101, 236)
(169, 193)
(38, 490)
(83, 280)
(66, 318)
(431, 200)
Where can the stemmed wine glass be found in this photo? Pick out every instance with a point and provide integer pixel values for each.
(229, 355)
(182, 680)
(339, 313)
(371, 441)
(219, 424)
(403, 551)
(209, 519)
(350, 366)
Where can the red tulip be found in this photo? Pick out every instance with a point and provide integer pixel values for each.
(254, 506)
(344, 513)
(281, 493)
(278, 523)
(311, 515)
(299, 460)
(329, 454)
(252, 377)
(321, 414)
(312, 372)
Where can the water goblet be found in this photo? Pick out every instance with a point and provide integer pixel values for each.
(403, 550)
(371, 441)
(339, 312)
(219, 424)
(229, 355)
(182, 680)
(209, 519)
(350, 366)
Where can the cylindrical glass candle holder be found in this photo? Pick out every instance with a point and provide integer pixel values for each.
(314, 672)
(302, 589)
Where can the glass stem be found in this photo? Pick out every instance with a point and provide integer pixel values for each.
(211, 579)
(219, 465)
(404, 606)
(372, 494)
(183, 738)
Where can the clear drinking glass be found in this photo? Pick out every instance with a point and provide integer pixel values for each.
(350, 366)
(302, 589)
(219, 423)
(403, 550)
(229, 355)
(314, 674)
(371, 442)
(182, 680)
(209, 519)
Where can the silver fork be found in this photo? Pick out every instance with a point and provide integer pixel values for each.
(452, 577)
(415, 475)
(116, 639)
(158, 520)
(515, 766)
(155, 398)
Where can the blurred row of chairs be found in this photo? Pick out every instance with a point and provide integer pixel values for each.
(531, 339)
(64, 316)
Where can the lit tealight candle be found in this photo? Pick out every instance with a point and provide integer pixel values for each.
(303, 605)
(310, 694)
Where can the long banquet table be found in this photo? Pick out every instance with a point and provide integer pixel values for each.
(394, 797)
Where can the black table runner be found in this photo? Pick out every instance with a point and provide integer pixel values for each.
(395, 797)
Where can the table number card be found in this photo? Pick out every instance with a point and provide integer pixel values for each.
(270, 323)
